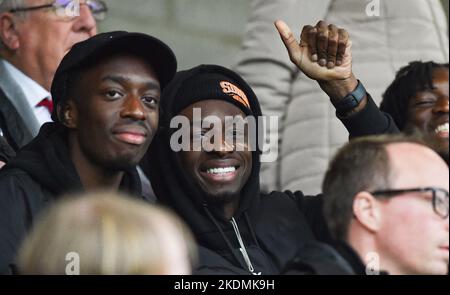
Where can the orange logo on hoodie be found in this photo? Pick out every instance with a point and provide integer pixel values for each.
(235, 92)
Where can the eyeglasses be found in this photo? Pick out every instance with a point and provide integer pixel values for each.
(70, 8)
(439, 201)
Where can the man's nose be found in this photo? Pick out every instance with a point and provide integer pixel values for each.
(85, 22)
(442, 105)
(223, 147)
(133, 108)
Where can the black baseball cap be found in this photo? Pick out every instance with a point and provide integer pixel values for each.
(157, 53)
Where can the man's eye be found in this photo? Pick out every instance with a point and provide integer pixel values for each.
(201, 135)
(425, 102)
(149, 100)
(238, 132)
(112, 94)
(198, 134)
(235, 133)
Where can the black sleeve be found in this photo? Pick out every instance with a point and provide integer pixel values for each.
(369, 121)
(314, 258)
(13, 221)
(312, 208)
(6, 152)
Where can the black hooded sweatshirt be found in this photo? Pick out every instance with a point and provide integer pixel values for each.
(41, 172)
(6, 152)
(267, 229)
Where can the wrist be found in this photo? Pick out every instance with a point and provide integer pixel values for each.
(338, 89)
(352, 103)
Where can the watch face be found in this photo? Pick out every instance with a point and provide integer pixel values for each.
(352, 100)
(349, 102)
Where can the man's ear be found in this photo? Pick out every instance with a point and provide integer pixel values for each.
(68, 114)
(367, 211)
(8, 31)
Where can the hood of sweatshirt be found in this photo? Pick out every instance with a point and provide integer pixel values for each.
(176, 189)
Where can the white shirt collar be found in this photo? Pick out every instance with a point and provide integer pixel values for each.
(32, 90)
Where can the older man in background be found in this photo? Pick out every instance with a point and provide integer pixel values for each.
(34, 37)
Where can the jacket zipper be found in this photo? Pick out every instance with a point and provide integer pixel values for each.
(242, 248)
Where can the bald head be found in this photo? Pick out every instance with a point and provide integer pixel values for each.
(388, 196)
(415, 165)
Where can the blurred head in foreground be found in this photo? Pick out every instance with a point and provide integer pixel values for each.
(107, 233)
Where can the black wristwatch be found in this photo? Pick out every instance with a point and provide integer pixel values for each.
(351, 101)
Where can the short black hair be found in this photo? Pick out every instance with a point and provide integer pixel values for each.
(416, 76)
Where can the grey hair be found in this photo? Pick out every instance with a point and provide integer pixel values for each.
(6, 5)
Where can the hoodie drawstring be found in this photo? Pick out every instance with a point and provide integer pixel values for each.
(223, 235)
(242, 248)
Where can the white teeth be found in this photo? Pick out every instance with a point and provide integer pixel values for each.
(223, 170)
(442, 128)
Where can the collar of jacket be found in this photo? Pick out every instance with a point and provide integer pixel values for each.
(355, 261)
(13, 92)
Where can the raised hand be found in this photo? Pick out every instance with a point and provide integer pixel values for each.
(324, 52)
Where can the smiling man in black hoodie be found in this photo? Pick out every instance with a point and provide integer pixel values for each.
(216, 189)
(106, 92)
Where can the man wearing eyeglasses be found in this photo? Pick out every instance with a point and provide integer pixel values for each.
(34, 37)
(387, 202)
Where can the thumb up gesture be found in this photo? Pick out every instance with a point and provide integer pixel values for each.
(323, 53)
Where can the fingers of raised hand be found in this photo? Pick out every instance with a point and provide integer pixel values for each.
(327, 44)
(333, 41)
(309, 36)
(343, 43)
(322, 42)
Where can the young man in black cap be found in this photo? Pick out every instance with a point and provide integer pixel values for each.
(106, 91)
